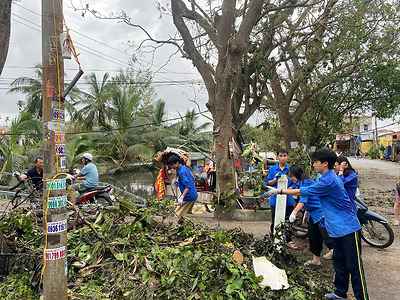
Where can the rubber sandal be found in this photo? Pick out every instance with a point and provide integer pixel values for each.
(333, 296)
(395, 223)
(292, 245)
(309, 263)
(328, 255)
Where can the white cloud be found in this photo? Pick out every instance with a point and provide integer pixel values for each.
(103, 47)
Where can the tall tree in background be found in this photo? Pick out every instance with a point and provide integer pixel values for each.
(326, 53)
(16, 145)
(215, 36)
(94, 105)
(32, 87)
(224, 31)
(190, 135)
(5, 26)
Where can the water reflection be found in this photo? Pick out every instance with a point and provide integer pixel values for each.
(138, 182)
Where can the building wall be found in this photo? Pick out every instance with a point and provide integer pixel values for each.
(386, 140)
(365, 146)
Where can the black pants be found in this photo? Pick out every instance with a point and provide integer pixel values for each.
(316, 236)
(347, 261)
(289, 210)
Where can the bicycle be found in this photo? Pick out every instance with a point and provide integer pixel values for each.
(25, 193)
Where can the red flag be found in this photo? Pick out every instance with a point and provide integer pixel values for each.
(159, 185)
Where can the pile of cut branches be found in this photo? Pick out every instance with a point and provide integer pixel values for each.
(126, 254)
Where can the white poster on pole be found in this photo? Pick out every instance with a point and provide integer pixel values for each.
(280, 208)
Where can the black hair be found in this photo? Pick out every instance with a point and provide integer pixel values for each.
(298, 172)
(325, 155)
(349, 168)
(174, 159)
(36, 159)
(282, 150)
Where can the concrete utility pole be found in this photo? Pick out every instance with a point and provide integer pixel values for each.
(55, 272)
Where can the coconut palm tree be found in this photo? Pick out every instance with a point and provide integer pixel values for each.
(187, 133)
(95, 104)
(25, 135)
(78, 144)
(32, 87)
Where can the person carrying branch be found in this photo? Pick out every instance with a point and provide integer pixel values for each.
(341, 222)
(186, 185)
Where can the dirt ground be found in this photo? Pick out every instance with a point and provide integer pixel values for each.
(382, 266)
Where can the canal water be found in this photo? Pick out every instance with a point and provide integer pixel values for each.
(138, 182)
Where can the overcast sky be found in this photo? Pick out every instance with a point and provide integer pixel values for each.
(104, 46)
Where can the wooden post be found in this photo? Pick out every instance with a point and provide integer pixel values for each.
(54, 202)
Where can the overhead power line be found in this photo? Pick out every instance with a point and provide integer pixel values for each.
(113, 48)
(104, 56)
(108, 129)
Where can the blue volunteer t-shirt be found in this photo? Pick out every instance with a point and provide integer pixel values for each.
(350, 184)
(91, 175)
(185, 180)
(340, 218)
(271, 175)
(312, 203)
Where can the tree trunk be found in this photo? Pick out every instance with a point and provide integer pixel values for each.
(223, 120)
(288, 128)
(5, 24)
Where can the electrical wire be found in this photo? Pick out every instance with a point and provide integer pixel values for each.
(108, 129)
(115, 49)
(163, 81)
(156, 74)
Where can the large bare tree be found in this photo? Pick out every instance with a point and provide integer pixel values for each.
(5, 25)
(324, 52)
(224, 32)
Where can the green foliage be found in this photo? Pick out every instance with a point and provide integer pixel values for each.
(267, 135)
(316, 77)
(250, 181)
(17, 286)
(22, 226)
(302, 159)
(373, 153)
(143, 259)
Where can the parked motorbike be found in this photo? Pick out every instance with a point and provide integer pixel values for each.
(96, 195)
(375, 229)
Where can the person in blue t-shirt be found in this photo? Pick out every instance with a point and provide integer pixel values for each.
(313, 216)
(89, 174)
(274, 173)
(341, 223)
(348, 176)
(186, 186)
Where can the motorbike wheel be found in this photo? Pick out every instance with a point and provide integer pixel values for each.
(377, 234)
(103, 199)
(298, 229)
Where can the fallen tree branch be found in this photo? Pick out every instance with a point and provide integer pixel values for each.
(85, 221)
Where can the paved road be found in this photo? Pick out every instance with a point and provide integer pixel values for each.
(382, 266)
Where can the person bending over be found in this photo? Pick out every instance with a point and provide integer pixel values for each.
(186, 186)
